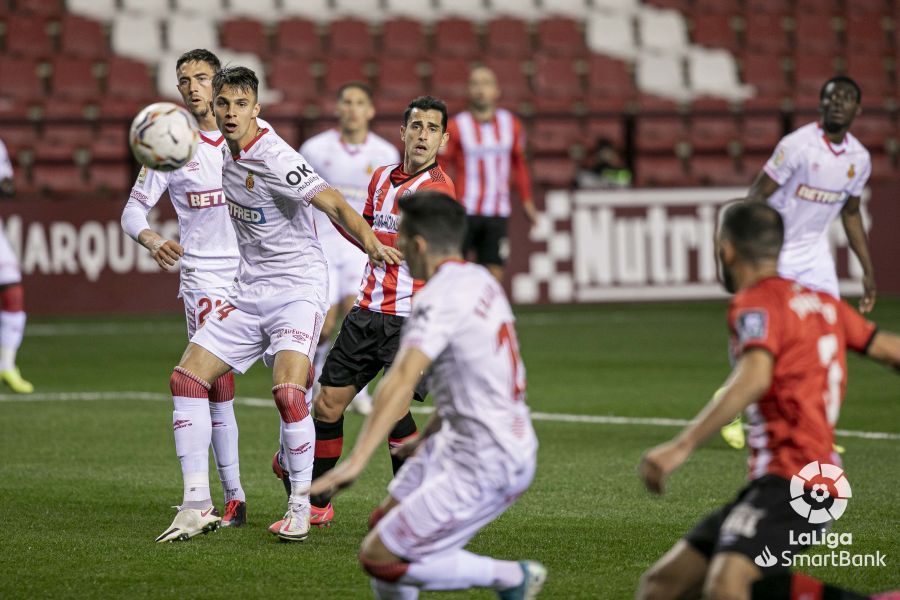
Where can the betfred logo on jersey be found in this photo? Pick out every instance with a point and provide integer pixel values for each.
(805, 192)
(208, 199)
(254, 216)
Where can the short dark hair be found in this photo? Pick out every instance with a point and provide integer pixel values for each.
(355, 85)
(841, 79)
(200, 55)
(427, 103)
(437, 217)
(240, 77)
(755, 229)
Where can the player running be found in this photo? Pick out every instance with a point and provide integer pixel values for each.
(478, 452)
(789, 344)
(12, 296)
(370, 334)
(275, 308)
(209, 259)
(346, 157)
(815, 174)
(486, 149)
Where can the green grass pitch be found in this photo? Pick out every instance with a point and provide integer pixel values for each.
(86, 486)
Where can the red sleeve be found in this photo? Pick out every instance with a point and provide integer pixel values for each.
(755, 322)
(518, 163)
(858, 331)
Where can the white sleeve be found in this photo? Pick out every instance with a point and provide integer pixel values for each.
(433, 323)
(783, 163)
(144, 195)
(859, 184)
(290, 176)
(6, 168)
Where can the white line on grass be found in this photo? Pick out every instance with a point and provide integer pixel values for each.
(537, 416)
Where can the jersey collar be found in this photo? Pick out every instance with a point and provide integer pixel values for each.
(836, 149)
(250, 144)
(455, 261)
(207, 137)
(399, 177)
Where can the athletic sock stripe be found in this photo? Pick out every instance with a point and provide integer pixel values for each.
(329, 448)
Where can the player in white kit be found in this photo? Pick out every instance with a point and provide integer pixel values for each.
(815, 174)
(277, 304)
(209, 259)
(477, 454)
(346, 157)
(12, 296)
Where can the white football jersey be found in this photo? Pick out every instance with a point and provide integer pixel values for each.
(348, 168)
(210, 247)
(816, 178)
(462, 320)
(268, 188)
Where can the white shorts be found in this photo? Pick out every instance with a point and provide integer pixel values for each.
(200, 305)
(9, 264)
(820, 276)
(346, 267)
(240, 338)
(443, 504)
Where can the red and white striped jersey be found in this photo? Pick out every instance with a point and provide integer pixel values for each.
(390, 289)
(484, 155)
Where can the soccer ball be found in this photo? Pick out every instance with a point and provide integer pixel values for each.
(164, 136)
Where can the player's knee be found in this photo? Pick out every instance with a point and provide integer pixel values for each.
(290, 399)
(389, 572)
(186, 384)
(655, 584)
(329, 405)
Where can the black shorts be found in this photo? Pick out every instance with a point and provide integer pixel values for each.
(367, 342)
(485, 236)
(760, 518)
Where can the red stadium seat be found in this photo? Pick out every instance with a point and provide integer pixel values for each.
(822, 7)
(110, 149)
(514, 86)
(874, 129)
(871, 73)
(351, 38)
(865, 33)
(60, 180)
(19, 135)
(450, 78)
(559, 36)
(339, 71)
(298, 37)
(456, 38)
(245, 35)
(293, 78)
(402, 38)
(554, 136)
(717, 170)
(810, 72)
(44, 8)
(814, 33)
(683, 6)
(114, 179)
(390, 130)
(28, 36)
(111, 107)
(74, 78)
(765, 73)
(658, 134)
(660, 171)
(609, 83)
(764, 33)
(399, 78)
(554, 173)
(507, 37)
(607, 129)
(713, 133)
(20, 78)
(724, 7)
(82, 37)
(127, 78)
(761, 133)
(556, 84)
(883, 167)
(713, 30)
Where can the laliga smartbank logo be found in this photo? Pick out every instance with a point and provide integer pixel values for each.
(819, 494)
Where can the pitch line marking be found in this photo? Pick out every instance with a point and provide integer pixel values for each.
(537, 416)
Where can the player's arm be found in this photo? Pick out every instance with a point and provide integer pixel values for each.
(391, 402)
(144, 196)
(333, 204)
(762, 187)
(885, 348)
(519, 168)
(750, 379)
(851, 218)
(409, 448)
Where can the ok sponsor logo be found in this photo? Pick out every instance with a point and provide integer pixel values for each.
(207, 199)
(295, 176)
(245, 214)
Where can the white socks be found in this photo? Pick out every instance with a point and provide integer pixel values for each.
(225, 449)
(192, 428)
(299, 440)
(12, 329)
(460, 570)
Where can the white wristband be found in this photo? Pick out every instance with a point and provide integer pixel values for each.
(157, 245)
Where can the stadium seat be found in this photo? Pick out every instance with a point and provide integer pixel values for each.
(110, 149)
(152, 8)
(111, 107)
(883, 167)
(399, 78)
(560, 36)
(714, 31)
(764, 33)
(136, 36)
(662, 30)
(713, 72)
(45, 8)
(521, 9)
(611, 34)
(59, 180)
(709, 133)
(865, 33)
(73, 78)
(350, 38)
(339, 71)
(556, 84)
(717, 170)
(402, 38)
(658, 133)
(605, 129)
(126, 78)
(28, 36)
(20, 78)
(298, 37)
(814, 33)
(200, 7)
(370, 10)
(822, 7)
(554, 136)
(474, 10)
(456, 38)
(514, 86)
(312, 10)
(722, 7)
(111, 178)
(760, 133)
(101, 10)
(554, 173)
(422, 10)
(660, 171)
(765, 74)
(262, 10)
(661, 75)
(870, 72)
(874, 129)
(245, 35)
(810, 72)
(507, 37)
(625, 7)
(609, 84)
(186, 32)
(572, 9)
(389, 129)
(293, 78)
(80, 36)
(450, 79)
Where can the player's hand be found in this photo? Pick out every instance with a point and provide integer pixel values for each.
(530, 212)
(659, 462)
(408, 449)
(166, 252)
(341, 477)
(379, 255)
(867, 302)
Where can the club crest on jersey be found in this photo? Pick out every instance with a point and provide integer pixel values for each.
(851, 171)
(254, 216)
(142, 176)
(369, 169)
(752, 325)
(249, 182)
(779, 157)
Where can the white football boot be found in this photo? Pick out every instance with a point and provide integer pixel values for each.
(294, 527)
(190, 522)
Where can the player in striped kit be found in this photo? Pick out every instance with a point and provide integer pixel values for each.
(346, 157)
(370, 333)
(478, 452)
(486, 149)
(209, 259)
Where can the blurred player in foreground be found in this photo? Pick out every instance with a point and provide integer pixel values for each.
(276, 306)
(370, 334)
(478, 452)
(12, 296)
(789, 343)
(815, 174)
(486, 149)
(346, 157)
(209, 260)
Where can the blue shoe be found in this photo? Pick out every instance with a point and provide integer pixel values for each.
(535, 576)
